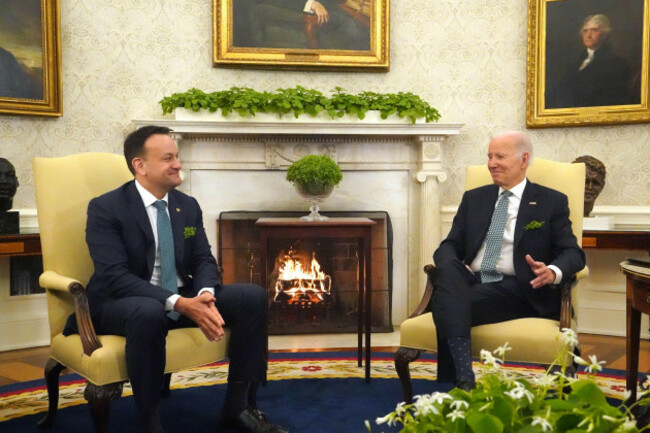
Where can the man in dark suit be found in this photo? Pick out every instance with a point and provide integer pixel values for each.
(134, 293)
(509, 245)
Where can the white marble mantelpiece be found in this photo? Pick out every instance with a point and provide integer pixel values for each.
(392, 166)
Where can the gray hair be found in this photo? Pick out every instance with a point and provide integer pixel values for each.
(601, 20)
(522, 141)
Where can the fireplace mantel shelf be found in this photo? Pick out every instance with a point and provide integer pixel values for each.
(283, 127)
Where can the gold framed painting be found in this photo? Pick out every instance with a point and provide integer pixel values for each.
(587, 62)
(301, 34)
(30, 58)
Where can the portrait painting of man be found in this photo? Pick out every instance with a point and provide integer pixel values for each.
(593, 53)
(21, 52)
(302, 24)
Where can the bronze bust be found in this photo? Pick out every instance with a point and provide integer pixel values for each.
(8, 184)
(594, 180)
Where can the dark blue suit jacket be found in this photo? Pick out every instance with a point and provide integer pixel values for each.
(553, 243)
(122, 247)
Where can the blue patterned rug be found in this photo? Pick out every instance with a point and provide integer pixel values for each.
(314, 392)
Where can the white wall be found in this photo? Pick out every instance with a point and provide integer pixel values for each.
(467, 58)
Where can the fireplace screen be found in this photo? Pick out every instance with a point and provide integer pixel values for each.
(312, 282)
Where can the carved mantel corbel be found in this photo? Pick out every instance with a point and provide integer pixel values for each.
(430, 175)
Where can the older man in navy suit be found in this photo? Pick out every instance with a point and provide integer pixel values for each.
(510, 244)
(147, 281)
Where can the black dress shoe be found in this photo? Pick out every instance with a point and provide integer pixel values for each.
(251, 421)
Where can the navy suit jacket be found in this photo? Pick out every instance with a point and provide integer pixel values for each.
(553, 243)
(122, 247)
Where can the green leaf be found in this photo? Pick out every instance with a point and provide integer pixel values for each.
(300, 100)
(568, 421)
(484, 423)
(588, 392)
(504, 410)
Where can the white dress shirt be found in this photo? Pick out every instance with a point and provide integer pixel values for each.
(505, 264)
(148, 200)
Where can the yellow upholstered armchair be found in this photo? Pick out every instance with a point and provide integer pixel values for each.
(532, 339)
(64, 186)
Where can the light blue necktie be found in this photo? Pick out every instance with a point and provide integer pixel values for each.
(168, 275)
(494, 240)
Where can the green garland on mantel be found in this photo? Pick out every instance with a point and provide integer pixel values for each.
(299, 100)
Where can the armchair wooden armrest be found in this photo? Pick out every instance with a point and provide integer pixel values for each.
(50, 280)
(425, 302)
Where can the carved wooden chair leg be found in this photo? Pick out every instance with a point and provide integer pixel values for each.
(166, 392)
(403, 358)
(99, 399)
(53, 369)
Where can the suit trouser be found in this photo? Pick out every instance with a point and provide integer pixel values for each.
(461, 301)
(144, 323)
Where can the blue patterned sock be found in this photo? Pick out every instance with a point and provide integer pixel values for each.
(461, 352)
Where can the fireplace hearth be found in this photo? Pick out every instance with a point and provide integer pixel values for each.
(312, 282)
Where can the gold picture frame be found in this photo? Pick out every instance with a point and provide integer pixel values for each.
(32, 58)
(280, 34)
(563, 88)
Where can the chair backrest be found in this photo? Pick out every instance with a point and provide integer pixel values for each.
(63, 188)
(568, 178)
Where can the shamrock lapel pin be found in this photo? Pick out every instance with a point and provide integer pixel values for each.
(534, 225)
(189, 232)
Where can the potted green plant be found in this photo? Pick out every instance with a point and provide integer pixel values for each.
(505, 402)
(314, 177)
(299, 100)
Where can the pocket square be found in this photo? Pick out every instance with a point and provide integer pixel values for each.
(533, 203)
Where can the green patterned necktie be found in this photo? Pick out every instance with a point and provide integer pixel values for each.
(494, 240)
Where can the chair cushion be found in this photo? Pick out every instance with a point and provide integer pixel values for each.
(532, 339)
(108, 365)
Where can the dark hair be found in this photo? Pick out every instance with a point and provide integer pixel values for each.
(134, 142)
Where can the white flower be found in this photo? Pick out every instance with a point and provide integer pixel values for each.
(627, 394)
(400, 408)
(579, 360)
(501, 350)
(440, 397)
(459, 404)
(545, 380)
(543, 423)
(630, 424)
(425, 404)
(569, 337)
(488, 359)
(519, 392)
(456, 414)
(595, 365)
(383, 419)
(389, 419)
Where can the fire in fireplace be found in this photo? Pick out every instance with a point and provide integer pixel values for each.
(301, 285)
(313, 283)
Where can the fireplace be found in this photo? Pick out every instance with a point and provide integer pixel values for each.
(396, 167)
(312, 282)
